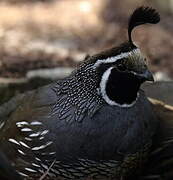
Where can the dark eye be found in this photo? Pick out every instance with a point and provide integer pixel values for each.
(121, 67)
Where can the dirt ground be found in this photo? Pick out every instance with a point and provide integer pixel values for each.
(48, 34)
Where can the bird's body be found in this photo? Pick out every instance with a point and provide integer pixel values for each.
(35, 135)
(95, 123)
(7, 172)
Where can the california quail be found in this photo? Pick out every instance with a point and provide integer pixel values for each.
(6, 170)
(95, 123)
(160, 161)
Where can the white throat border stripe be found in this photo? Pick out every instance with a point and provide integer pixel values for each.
(115, 58)
(103, 84)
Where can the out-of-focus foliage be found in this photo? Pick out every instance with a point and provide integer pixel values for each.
(48, 33)
(24, 1)
(166, 5)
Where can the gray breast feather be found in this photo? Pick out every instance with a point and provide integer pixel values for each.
(111, 130)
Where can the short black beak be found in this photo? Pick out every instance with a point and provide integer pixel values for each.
(147, 76)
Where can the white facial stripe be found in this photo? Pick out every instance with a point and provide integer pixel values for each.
(115, 58)
(103, 84)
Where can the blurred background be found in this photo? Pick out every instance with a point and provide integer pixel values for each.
(43, 40)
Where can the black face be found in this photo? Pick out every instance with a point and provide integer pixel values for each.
(122, 87)
(121, 70)
(122, 77)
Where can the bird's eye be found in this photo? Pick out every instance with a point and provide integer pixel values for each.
(121, 67)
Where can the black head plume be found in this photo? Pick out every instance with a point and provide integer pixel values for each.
(142, 15)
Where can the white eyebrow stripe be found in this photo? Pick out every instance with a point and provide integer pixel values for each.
(115, 58)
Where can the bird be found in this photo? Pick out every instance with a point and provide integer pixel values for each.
(96, 123)
(159, 165)
(6, 170)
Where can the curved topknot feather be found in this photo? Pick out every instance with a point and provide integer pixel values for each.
(142, 15)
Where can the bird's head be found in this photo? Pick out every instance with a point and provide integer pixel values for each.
(121, 70)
